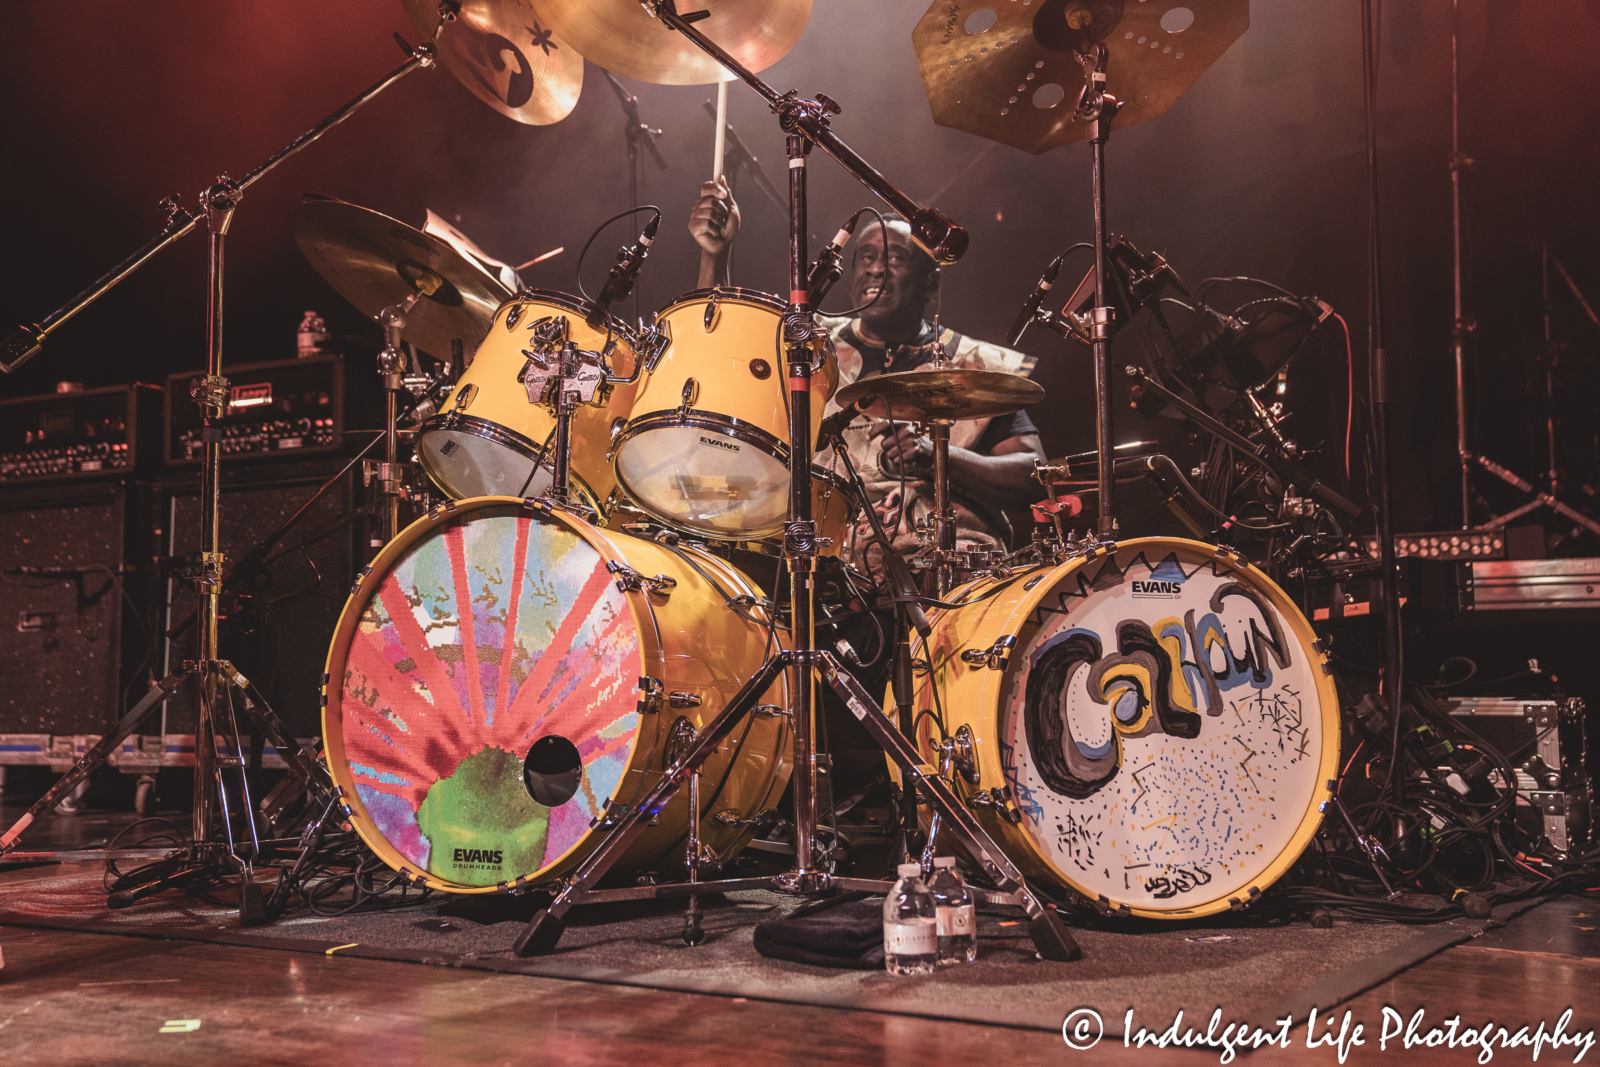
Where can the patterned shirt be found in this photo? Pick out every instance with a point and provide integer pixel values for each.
(900, 504)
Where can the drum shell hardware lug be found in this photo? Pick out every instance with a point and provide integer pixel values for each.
(631, 581)
(995, 657)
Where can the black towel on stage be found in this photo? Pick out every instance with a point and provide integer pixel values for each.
(842, 931)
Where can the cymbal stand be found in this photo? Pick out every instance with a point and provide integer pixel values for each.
(216, 676)
(806, 124)
(908, 616)
(392, 368)
(1547, 498)
(1097, 108)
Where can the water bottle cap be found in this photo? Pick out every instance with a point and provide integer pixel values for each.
(909, 870)
(944, 861)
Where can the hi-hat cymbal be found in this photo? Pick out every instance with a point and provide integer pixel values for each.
(951, 393)
(622, 37)
(507, 57)
(1010, 72)
(375, 261)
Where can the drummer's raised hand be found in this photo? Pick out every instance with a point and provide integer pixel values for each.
(713, 223)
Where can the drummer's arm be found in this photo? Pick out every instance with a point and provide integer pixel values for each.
(1004, 478)
(714, 222)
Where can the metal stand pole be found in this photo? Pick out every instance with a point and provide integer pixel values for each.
(1098, 108)
(944, 514)
(211, 392)
(1378, 372)
(799, 533)
(1462, 325)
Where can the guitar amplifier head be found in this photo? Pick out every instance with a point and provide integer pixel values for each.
(288, 408)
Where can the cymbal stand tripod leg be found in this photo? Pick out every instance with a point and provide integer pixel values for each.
(805, 122)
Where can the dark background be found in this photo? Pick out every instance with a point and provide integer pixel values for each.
(1258, 169)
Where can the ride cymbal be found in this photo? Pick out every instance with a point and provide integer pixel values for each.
(507, 57)
(375, 261)
(951, 393)
(1009, 71)
(621, 36)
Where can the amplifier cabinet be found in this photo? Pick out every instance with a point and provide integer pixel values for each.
(278, 622)
(76, 618)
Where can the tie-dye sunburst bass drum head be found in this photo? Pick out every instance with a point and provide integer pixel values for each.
(500, 673)
(1163, 719)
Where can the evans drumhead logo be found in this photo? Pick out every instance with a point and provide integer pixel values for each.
(719, 443)
(1155, 589)
(480, 857)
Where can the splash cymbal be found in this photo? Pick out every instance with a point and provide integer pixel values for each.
(507, 57)
(950, 393)
(1010, 72)
(621, 36)
(375, 261)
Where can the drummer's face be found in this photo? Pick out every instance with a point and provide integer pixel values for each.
(902, 283)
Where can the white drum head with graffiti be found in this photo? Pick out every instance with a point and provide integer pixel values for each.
(1163, 727)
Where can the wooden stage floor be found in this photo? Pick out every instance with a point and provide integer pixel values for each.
(86, 998)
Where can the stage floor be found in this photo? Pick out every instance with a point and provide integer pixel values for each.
(79, 997)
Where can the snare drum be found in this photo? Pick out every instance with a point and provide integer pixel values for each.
(501, 674)
(489, 438)
(1162, 724)
(706, 446)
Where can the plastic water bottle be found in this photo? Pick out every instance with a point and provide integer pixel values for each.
(313, 331)
(952, 901)
(910, 925)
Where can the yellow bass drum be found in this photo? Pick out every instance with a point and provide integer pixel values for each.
(1161, 723)
(501, 673)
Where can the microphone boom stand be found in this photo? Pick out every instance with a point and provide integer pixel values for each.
(217, 677)
(805, 123)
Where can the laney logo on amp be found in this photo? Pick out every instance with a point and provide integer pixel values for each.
(1157, 590)
(719, 444)
(480, 857)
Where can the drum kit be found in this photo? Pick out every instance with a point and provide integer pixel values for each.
(558, 675)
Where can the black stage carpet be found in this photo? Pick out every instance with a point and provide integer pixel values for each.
(1254, 970)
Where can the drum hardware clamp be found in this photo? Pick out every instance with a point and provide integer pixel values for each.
(995, 657)
(631, 581)
(957, 756)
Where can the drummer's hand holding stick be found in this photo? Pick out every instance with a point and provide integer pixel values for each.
(904, 450)
(713, 223)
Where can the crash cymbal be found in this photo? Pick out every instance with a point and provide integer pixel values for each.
(951, 393)
(1009, 72)
(375, 261)
(622, 37)
(507, 57)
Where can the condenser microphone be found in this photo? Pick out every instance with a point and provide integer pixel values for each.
(829, 266)
(619, 283)
(1035, 298)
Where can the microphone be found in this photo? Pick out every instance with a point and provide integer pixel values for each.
(829, 266)
(619, 283)
(835, 424)
(1035, 298)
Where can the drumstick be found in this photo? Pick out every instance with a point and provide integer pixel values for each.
(722, 132)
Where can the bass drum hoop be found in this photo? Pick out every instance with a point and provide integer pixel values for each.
(651, 653)
(1032, 859)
